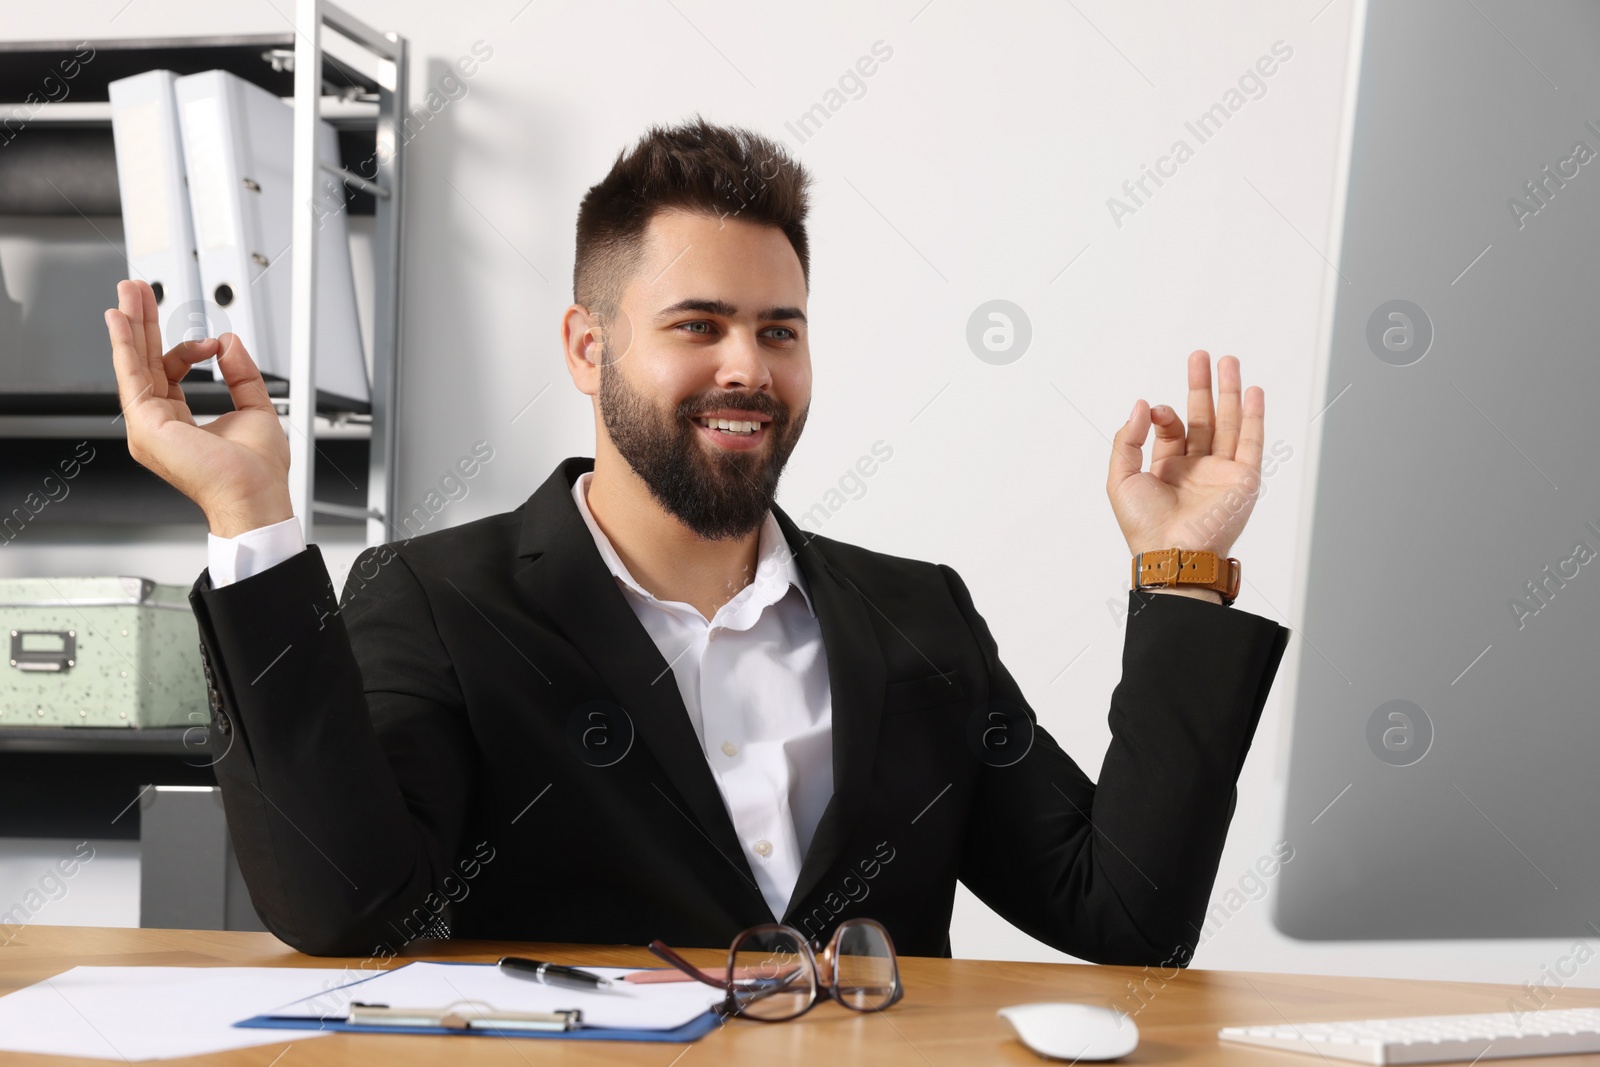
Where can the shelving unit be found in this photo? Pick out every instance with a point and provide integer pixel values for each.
(58, 182)
(58, 159)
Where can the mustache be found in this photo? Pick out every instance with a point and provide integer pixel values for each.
(740, 400)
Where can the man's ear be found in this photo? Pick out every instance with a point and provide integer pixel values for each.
(583, 342)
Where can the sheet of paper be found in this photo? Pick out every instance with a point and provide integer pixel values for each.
(626, 1005)
(145, 1013)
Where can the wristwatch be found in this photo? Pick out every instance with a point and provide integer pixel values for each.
(1197, 568)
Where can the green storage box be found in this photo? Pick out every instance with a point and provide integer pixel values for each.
(99, 652)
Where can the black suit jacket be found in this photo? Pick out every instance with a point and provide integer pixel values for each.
(480, 736)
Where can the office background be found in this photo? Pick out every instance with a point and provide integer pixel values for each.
(977, 163)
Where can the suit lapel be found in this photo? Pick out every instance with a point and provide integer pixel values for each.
(856, 682)
(564, 577)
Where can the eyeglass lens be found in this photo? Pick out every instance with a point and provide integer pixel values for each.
(865, 975)
(773, 976)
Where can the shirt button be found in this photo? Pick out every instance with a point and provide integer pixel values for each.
(729, 748)
(763, 847)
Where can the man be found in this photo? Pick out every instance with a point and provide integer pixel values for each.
(644, 704)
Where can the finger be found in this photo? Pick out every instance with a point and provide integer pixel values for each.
(1127, 447)
(1253, 432)
(1201, 417)
(134, 382)
(243, 377)
(152, 320)
(177, 362)
(1227, 437)
(1169, 433)
(131, 303)
(185, 354)
(133, 374)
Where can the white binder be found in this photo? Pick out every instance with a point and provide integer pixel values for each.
(238, 144)
(156, 226)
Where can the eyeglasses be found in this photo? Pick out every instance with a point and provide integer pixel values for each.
(773, 972)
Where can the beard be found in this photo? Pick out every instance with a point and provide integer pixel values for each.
(720, 497)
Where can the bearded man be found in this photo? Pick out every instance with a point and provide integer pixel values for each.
(644, 704)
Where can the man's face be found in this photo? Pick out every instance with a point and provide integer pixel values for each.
(705, 379)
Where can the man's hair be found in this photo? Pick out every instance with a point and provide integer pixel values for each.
(721, 171)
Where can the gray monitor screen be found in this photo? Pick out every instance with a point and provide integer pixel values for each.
(1444, 759)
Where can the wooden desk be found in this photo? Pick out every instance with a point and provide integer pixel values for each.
(946, 1018)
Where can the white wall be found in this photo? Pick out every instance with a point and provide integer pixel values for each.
(976, 166)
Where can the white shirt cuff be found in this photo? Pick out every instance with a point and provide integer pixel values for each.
(233, 559)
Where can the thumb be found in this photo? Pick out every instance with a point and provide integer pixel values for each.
(244, 381)
(1127, 447)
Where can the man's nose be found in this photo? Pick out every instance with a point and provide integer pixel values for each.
(743, 363)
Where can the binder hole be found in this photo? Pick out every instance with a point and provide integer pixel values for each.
(223, 295)
(159, 290)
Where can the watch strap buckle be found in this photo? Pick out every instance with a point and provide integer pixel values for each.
(1201, 568)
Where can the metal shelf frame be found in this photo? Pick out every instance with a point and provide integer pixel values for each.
(312, 19)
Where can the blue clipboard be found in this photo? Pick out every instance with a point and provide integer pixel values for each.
(693, 1030)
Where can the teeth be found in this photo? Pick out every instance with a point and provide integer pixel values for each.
(730, 425)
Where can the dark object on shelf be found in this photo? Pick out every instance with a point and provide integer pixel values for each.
(64, 170)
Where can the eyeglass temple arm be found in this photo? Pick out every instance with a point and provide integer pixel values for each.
(661, 950)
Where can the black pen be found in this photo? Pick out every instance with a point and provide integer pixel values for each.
(552, 973)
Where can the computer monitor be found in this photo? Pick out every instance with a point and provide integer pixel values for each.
(1443, 775)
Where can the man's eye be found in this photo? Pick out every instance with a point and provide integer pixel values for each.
(701, 327)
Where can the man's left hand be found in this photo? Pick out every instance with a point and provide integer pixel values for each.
(1202, 484)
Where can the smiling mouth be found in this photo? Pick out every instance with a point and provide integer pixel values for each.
(733, 426)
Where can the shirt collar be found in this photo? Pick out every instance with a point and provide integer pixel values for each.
(776, 569)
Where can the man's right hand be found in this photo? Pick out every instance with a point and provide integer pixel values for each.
(236, 467)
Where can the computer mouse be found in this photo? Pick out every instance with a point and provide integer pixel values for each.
(1066, 1031)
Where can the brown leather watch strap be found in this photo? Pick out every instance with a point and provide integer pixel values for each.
(1196, 568)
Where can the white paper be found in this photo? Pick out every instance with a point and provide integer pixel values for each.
(145, 1013)
(648, 1006)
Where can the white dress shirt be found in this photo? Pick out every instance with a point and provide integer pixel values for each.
(754, 681)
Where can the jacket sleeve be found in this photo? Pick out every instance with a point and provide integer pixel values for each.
(1120, 871)
(345, 754)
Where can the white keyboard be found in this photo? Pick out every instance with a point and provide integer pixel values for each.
(1434, 1038)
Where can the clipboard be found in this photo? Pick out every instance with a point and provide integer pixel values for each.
(462, 1015)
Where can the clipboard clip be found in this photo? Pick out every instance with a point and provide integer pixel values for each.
(464, 1015)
